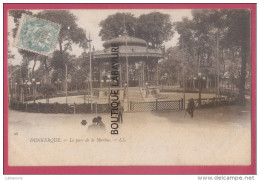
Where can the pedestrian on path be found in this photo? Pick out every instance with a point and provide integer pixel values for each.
(100, 123)
(191, 107)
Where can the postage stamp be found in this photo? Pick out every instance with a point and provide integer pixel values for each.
(37, 35)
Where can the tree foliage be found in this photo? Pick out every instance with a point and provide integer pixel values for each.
(113, 25)
(238, 34)
(154, 27)
(70, 32)
(230, 29)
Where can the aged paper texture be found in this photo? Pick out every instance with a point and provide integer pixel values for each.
(131, 87)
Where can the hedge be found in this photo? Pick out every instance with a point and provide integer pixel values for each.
(59, 108)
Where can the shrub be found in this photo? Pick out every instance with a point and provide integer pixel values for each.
(47, 90)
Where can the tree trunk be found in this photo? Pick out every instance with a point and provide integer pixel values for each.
(46, 70)
(60, 45)
(242, 82)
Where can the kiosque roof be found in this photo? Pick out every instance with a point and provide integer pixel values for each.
(122, 40)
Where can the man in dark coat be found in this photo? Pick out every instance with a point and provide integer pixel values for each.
(191, 107)
(100, 123)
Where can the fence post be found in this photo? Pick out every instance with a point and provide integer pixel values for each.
(38, 107)
(74, 107)
(26, 106)
(179, 104)
(156, 104)
(182, 102)
(96, 107)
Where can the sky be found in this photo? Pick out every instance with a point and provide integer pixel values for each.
(89, 20)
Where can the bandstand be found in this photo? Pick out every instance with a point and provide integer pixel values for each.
(138, 67)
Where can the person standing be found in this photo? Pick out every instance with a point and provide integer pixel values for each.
(100, 123)
(191, 107)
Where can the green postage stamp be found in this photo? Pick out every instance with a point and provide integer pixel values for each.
(37, 35)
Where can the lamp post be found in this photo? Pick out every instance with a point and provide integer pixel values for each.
(90, 70)
(66, 77)
(59, 85)
(146, 90)
(25, 92)
(29, 87)
(15, 87)
(200, 81)
(22, 91)
(194, 83)
(87, 81)
(125, 87)
(203, 80)
(37, 84)
(58, 82)
(165, 78)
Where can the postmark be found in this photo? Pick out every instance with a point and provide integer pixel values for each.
(37, 35)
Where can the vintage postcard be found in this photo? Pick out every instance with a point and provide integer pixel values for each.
(104, 86)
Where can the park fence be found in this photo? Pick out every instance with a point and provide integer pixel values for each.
(157, 105)
(105, 108)
(179, 104)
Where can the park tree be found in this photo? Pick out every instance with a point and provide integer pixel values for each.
(186, 39)
(40, 72)
(113, 25)
(198, 37)
(212, 34)
(70, 34)
(231, 28)
(155, 28)
(187, 44)
(58, 63)
(78, 78)
(238, 35)
(172, 65)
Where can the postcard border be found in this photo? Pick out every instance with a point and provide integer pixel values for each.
(251, 169)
